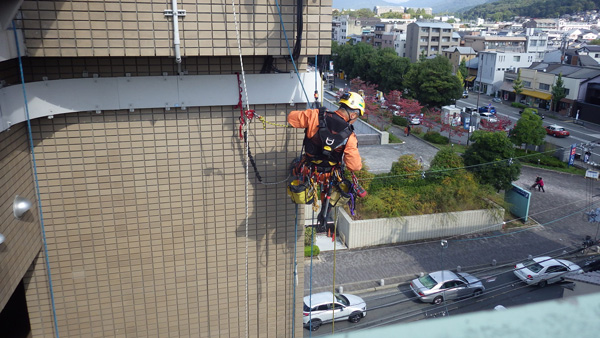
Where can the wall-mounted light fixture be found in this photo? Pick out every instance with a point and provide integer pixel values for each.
(2, 238)
(20, 206)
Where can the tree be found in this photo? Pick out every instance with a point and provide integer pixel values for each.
(518, 86)
(558, 92)
(432, 83)
(490, 159)
(528, 130)
(595, 42)
(462, 68)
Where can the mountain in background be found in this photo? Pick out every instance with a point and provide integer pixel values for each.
(437, 5)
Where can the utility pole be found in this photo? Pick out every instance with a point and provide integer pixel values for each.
(479, 62)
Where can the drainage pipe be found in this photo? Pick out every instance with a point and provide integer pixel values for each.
(176, 41)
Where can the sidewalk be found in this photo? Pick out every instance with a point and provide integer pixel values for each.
(560, 211)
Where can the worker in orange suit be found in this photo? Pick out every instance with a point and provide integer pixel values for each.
(329, 142)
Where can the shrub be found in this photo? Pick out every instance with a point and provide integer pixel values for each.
(399, 121)
(308, 235)
(544, 159)
(518, 105)
(435, 137)
(315, 251)
(416, 130)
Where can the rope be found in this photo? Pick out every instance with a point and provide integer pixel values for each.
(295, 281)
(37, 184)
(247, 151)
(334, 256)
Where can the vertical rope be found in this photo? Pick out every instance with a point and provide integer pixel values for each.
(37, 183)
(334, 256)
(295, 281)
(246, 150)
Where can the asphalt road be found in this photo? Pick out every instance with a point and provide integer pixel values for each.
(399, 305)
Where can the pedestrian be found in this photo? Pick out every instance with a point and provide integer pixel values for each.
(540, 185)
(537, 181)
(329, 145)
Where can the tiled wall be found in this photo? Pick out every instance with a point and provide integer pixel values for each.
(146, 224)
(55, 68)
(82, 28)
(23, 236)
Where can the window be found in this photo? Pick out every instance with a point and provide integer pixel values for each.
(533, 43)
(527, 84)
(544, 86)
(517, 58)
(566, 91)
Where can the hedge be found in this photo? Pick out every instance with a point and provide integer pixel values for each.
(435, 137)
(518, 105)
(399, 121)
(315, 251)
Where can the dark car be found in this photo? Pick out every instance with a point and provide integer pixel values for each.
(534, 112)
(487, 109)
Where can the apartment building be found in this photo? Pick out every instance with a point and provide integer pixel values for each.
(429, 38)
(458, 54)
(125, 137)
(501, 43)
(492, 66)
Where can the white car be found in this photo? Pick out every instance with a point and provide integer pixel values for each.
(545, 270)
(489, 117)
(323, 307)
(414, 119)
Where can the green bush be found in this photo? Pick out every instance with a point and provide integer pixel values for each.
(309, 232)
(435, 137)
(315, 251)
(533, 110)
(544, 159)
(518, 105)
(399, 121)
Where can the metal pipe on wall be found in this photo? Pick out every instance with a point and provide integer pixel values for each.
(176, 41)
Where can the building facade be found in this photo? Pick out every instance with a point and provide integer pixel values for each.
(429, 39)
(125, 136)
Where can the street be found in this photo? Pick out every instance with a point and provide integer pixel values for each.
(399, 305)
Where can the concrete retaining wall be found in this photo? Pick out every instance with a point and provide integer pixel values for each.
(365, 233)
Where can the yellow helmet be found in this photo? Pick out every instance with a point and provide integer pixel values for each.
(353, 101)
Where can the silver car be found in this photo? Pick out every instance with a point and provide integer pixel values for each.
(446, 285)
(545, 270)
(325, 307)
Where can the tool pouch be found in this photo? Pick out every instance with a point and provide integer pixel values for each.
(300, 192)
(340, 193)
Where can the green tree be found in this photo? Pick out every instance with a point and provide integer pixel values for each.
(489, 158)
(595, 42)
(445, 159)
(518, 86)
(432, 83)
(528, 129)
(451, 21)
(462, 68)
(559, 92)
(392, 15)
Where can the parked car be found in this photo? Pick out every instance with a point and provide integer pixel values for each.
(535, 112)
(414, 119)
(557, 131)
(465, 94)
(497, 99)
(488, 117)
(486, 109)
(440, 285)
(544, 270)
(322, 307)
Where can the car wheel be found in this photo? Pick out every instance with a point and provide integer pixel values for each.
(477, 293)
(314, 325)
(438, 300)
(543, 283)
(354, 317)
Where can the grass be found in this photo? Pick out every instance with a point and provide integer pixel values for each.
(569, 170)
(395, 139)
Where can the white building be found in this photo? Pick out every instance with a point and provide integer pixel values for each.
(490, 74)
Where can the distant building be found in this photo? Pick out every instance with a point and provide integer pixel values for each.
(479, 43)
(378, 10)
(427, 10)
(429, 39)
(457, 54)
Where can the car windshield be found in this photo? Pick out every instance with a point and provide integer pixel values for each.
(532, 265)
(342, 299)
(427, 281)
(306, 308)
